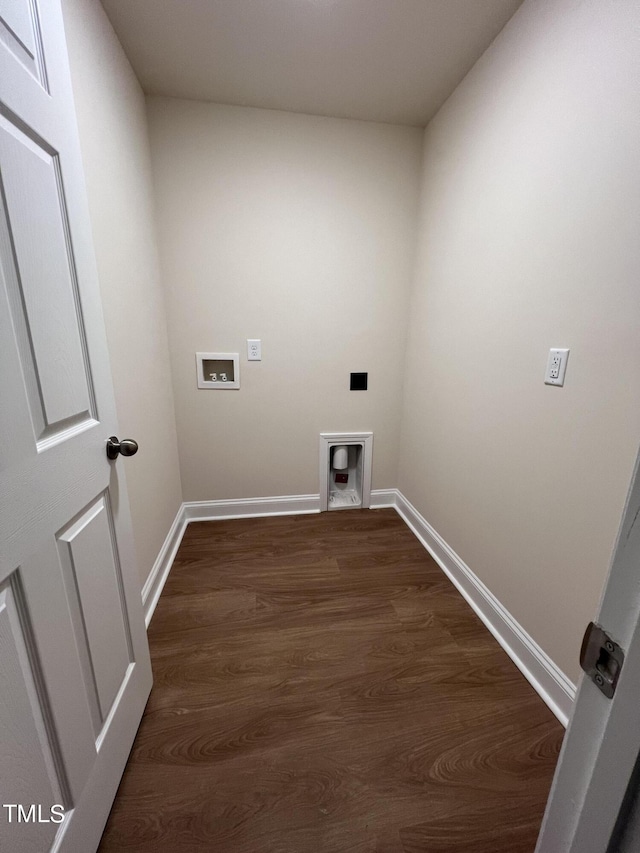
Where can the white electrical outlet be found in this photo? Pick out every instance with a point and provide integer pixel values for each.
(254, 350)
(556, 366)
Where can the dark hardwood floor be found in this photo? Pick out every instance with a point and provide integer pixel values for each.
(320, 686)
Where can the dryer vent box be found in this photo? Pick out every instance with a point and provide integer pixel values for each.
(345, 470)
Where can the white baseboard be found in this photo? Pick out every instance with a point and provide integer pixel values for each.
(556, 690)
(251, 507)
(282, 505)
(383, 498)
(551, 684)
(160, 572)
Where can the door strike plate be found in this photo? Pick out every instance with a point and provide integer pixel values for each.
(601, 658)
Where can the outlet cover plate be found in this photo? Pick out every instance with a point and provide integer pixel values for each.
(556, 366)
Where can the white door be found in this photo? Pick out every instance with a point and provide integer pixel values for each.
(74, 661)
(602, 742)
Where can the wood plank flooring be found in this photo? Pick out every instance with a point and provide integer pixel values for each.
(320, 686)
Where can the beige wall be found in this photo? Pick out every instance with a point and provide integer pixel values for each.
(529, 239)
(299, 231)
(115, 151)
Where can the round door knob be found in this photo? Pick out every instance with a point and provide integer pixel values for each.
(126, 447)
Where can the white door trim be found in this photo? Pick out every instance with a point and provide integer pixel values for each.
(602, 743)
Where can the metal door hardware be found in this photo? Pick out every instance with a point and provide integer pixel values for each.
(601, 658)
(126, 447)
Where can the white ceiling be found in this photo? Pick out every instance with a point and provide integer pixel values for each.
(379, 60)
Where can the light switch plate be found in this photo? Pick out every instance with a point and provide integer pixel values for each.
(254, 349)
(556, 366)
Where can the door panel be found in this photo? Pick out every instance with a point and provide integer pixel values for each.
(18, 23)
(45, 608)
(93, 579)
(26, 741)
(74, 661)
(19, 32)
(37, 256)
